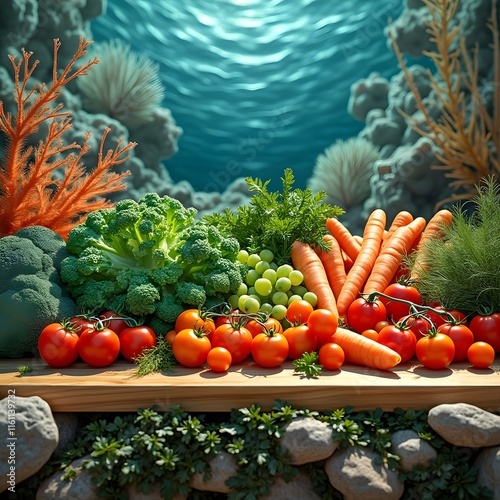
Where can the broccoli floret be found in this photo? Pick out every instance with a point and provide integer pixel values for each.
(141, 299)
(31, 294)
(191, 293)
(168, 308)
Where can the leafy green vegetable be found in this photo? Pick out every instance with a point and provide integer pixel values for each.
(464, 271)
(307, 365)
(150, 259)
(274, 220)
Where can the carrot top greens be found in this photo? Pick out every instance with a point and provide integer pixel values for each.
(274, 220)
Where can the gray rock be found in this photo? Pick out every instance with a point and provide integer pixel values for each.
(308, 440)
(411, 449)
(30, 436)
(67, 424)
(299, 488)
(355, 474)
(462, 424)
(80, 488)
(222, 467)
(488, 464)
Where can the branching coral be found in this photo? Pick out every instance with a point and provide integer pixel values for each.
(466, 133)
(30, 194)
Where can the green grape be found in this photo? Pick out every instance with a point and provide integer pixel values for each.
(262, 266)
(242, 289)
(271, 275)
(233, 301)
(292, 298)
(279, 312)
(242, 256)
(283, 284)
(284, 270)
(251, 277)
(251, 305)
(299, 290)
(273, 265)
(263, 286)
(266, 255)
(253, 259)
(311, 298)
(296, 277)
(241, 301)
(280, 298)
(266, 308)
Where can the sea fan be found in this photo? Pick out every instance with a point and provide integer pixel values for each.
(30, 193)
(343, 171)
(126, 86)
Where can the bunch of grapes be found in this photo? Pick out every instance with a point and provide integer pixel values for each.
(269, 288)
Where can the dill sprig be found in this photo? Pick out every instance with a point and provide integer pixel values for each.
(159, 358)
(464, 271)
(274, 220)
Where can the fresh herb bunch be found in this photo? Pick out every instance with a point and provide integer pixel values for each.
(464, 273)
(274, 220)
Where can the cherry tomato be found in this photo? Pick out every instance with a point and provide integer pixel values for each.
(134, 339)
(99, 347)
(58, 345)
(331, 356)
(418, 324)
(481, 354)
(396, 310)
(227, 318)
(256, 327)
(219, 359)
(82, 323)
(269, 350)
(193, 318)
(435, 351)
(486, 328)
(380, 325)
(371, 334)
(462, 337)
(117, 325)
(363, 314)
(170, 336)
(237, 340)
(300, 340)
(323, 323)
(298, 312)
(191, 347)
(399, 339)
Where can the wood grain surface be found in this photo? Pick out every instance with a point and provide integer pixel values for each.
(80, 388)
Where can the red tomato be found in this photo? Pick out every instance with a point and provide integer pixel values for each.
(380, 325)
(99, 347)
(300, 340)
(58, 345)
(270, 350)
(401, 340)
(435, 351)
(486, 328)
(117, 325)
(135, 339)
(439, 319)
(396, 310)
(82, 323)
(331, 356)
(227, 318)
(462, 337)
(238, 341)
(323, 323)
(219, 359)
(298, 312)
(194, 319)
(190, 347)
(481, 354)
(371, 334)
(364, 315)
(170, 336)
(418, 324)
(256, 327)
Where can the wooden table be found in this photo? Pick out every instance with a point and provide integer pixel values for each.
(116, 388)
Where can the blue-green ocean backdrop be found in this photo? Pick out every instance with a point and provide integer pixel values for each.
(256, 85)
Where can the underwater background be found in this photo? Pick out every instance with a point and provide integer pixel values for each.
(256, 85)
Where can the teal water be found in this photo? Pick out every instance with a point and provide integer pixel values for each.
(256, 85)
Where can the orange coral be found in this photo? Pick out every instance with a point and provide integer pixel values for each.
(29, 193)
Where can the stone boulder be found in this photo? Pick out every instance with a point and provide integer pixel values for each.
(411, 449)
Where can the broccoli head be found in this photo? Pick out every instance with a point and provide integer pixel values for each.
(31, 293)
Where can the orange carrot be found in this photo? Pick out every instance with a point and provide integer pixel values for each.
(365, 351)
(391, 255)
(333, 263)
(347, 261)
(307, 261)
(434, 229)
(358, 238)
(357, 276)
(346, 240)
(402, 218)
